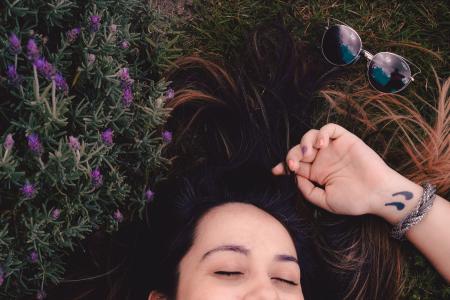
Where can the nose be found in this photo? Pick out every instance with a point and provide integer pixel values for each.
(262, 289)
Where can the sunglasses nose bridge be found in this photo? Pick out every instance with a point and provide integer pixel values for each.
(367, 54)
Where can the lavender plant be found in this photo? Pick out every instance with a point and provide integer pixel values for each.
(81, 128)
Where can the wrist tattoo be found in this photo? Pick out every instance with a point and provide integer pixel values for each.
(398, 205)
(408, 196)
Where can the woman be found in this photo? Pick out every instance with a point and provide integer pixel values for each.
(244, 249)
(229, 229)
(227, 225)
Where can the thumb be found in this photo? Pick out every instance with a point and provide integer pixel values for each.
(312, 193)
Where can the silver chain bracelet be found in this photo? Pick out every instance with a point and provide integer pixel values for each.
(416, 215)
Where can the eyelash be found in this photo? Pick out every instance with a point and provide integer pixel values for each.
(227, 273)
(285, 281)
(224, 273)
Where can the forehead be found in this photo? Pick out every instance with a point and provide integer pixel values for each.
(245, 224)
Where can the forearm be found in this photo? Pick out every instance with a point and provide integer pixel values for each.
(431, 235)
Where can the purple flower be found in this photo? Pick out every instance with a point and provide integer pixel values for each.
(9, 142)
(14, 44)
(91, 58)
(74, 144)
(167, 136)
(94, 22)
(32, 50)
(127, 96)
(107, 136)
(13, 78)
(33, 256)
(170, 93)
(124, 75)
(40, 63)
(11, 72)
(61, 84)
(28, 190)
(73, 34)
(45, 68)
(124, 44)
(96, 177)
(149, 195)
(125, 78)
(41, 295)
(34, 143)
(118, 216)
(56, 213)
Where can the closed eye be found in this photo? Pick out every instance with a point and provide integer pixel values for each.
(229, 274)
(285, 281)
(225, 273)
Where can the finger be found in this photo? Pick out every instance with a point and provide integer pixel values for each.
(279, 169)
(322, 140)
(293, 157)
(304, 169)
(306, 145)
(327, 132)
(312, 193)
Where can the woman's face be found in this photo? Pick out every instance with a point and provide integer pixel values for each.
(240, 252)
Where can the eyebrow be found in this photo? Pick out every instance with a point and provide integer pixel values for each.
(284, 257)
(234, 248)
(244, 251)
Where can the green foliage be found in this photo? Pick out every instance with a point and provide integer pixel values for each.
(106, 76)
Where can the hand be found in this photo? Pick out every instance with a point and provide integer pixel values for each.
(354, 176)
(357, 181)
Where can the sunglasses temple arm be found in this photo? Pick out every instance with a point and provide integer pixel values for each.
(420, 71)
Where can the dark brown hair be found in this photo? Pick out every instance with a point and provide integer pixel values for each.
(276, 84)
(250, 112)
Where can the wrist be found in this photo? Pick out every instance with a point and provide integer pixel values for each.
(395, 197)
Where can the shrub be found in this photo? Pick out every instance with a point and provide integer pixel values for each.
(81, 127)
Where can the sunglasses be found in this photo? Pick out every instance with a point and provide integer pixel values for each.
(386, 71)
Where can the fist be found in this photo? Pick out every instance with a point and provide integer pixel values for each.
(350, 174)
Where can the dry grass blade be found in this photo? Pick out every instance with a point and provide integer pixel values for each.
(424, 142)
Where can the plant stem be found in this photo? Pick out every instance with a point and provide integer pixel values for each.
(6, 155)
(54, 98)
(36, 84)
(41, 163)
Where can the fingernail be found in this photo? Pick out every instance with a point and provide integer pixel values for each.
(304, 149)
(291, 164)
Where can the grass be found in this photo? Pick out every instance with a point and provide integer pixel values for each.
(417, 30)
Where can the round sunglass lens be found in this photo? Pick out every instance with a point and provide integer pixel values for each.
(341, 45)
(389, 73)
